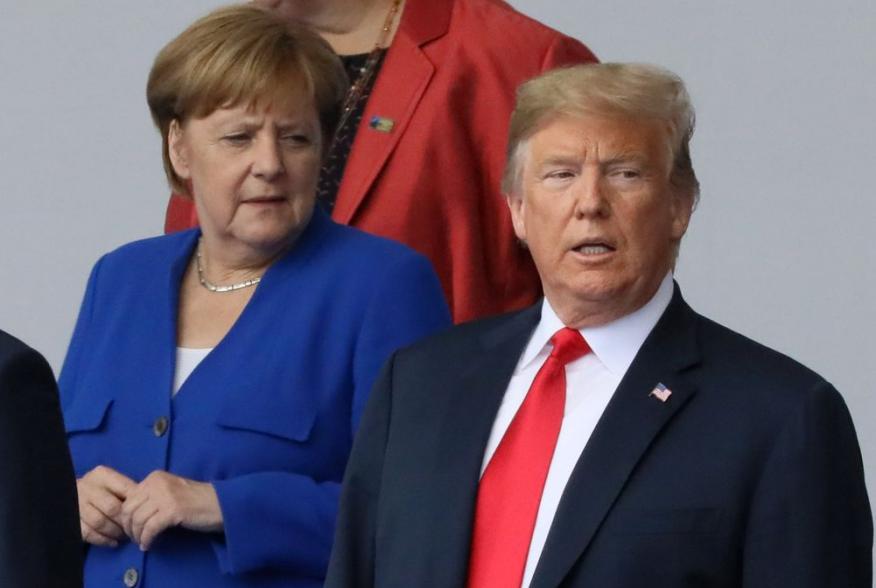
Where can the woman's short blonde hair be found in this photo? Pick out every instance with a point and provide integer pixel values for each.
(605, 89)
(242, 54)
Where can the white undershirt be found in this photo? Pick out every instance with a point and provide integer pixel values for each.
(590, 384)
(187, 359)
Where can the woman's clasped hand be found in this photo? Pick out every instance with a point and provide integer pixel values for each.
(112, 507)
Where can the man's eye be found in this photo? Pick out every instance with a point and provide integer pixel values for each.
(562, 174)
(625, 174)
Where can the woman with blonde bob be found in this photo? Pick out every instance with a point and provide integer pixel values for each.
(216, 375)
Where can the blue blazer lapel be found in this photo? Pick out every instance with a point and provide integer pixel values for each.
(630, 423)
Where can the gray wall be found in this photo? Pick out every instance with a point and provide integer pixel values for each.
(780, 247)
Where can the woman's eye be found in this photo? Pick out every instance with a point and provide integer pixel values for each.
(236, 139)
(296, 139)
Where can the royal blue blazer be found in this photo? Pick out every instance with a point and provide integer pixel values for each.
(268, 417)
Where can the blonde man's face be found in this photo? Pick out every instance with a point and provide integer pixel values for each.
(598, 213)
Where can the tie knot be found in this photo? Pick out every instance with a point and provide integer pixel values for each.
(569, 345)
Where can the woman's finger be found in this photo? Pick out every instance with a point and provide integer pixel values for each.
(94, 537)
(140, 517)
(111, 480)
(157, 523)
(108, 504)
(99, 522)
(130, 506)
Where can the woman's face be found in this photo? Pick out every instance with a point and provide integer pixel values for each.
(253, 172)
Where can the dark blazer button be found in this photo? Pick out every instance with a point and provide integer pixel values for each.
(131, 577)
(159, 427)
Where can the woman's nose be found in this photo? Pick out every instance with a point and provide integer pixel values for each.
(267, 160)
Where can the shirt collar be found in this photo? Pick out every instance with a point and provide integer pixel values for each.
(614, 344)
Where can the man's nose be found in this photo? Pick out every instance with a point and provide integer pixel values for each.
(589, 194)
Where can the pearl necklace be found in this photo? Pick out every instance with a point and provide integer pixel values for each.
(216, 287)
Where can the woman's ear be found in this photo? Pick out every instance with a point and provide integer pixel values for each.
(177, 150)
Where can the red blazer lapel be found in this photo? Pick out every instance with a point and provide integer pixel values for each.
(404, 77)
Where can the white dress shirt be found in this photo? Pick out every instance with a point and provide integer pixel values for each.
(590, 384)
(187, 359)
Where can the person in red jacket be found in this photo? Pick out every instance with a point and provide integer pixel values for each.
(419, 153)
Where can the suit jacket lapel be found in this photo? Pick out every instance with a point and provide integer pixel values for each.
(627, 428)
(404, 77)
(470, 411)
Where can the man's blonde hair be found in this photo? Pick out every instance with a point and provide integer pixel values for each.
(626, 90)
(242, 55)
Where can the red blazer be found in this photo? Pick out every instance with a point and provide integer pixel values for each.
(432, 180)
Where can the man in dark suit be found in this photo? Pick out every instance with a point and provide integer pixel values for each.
(609, 436)
(40, 544)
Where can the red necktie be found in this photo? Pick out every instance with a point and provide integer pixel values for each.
(510, 489)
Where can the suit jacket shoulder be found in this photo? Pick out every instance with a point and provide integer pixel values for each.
(40, 545)
(144, 256)
(468, 333)
(730, 348)
(10, 346)
(736, 372)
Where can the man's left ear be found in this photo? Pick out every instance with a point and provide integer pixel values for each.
(517, 207)
(176, 150)
(682, 208)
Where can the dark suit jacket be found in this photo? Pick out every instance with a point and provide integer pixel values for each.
(40, 543)
(749, 476)
(432, 183)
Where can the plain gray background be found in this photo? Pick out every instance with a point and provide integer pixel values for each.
(781, 247)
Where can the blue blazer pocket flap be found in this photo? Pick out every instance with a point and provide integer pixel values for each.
(278, 417)
(87, 414)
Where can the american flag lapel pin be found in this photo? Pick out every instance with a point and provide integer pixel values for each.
(381, 123)
(660, 392)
